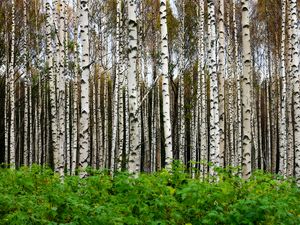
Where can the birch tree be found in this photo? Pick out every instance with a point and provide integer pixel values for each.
(85, 110)
(26, 143)
(135, 151)
(203, 103)
(283, 127)
(61, 86)
(221, 76)
(165, 83)
(246, 92)
(296, 84)
(214, 101)
(181, 108)
(12, 147)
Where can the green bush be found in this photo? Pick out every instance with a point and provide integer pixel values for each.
(37, 196)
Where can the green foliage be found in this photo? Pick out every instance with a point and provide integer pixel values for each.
(36, 196)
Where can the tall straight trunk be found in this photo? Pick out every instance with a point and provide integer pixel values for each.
(282, 111)
(68, 157)
(75, 93)
(120, 57)
(165, 84)
(290, 133)
(254, 128)
(214, 101)
(52, 72)
(135, 148)
(154, 115)
(221, 76)
(85, 110)
(268, 122)
(296, 84)
(105, 122)
(237, 71)
(61, 88)
(246, 92)
(98, 116)
(25, 153)
(146, 111)
(117, 92)
(203, 94)
(230, 114)
(93, 120)
(259, 128)
(100, 124)
(153, 131)
(7, 91)
(181, 89)
(12, 147)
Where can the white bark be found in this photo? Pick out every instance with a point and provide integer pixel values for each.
(12, 147)
(135, 151)
(246, 92)
(7, 91)
(203, 96)
(52, 72)
(214, 101)
(25, 159)
(296, 84)
(221, 76)
(282, 111)
(237, 71)
(165, 84)
(61, 88)
(75, 93)
(117, 94)
(85, 111)
(121, 81)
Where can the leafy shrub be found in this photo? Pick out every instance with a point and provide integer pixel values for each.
(36, 196)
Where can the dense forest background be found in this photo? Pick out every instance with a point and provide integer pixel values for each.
(133, 85)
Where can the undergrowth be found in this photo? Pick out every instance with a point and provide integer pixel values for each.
(36, 196)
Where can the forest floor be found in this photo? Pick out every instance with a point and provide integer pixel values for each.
(37, 196)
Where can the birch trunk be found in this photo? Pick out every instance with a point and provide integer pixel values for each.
(25, 159)
(61, 89)
(7, 91)
(165, 84)
(122, 79)
(246, 92)
(296, 85)
(202, 92)
(85, 111)
(12, 147)
(135, 151)
(52, 63)
(117, 93)
(221, 76)
(75, 93)
(214, 101)
(290, 133)
(238, 127)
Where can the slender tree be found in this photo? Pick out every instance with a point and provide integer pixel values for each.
(283, 127)
(135, 148)
(165, 83)
(85, 110)
(246, 92)
(214, 98)
(296, 84)
(12, 147)
(221, 76)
